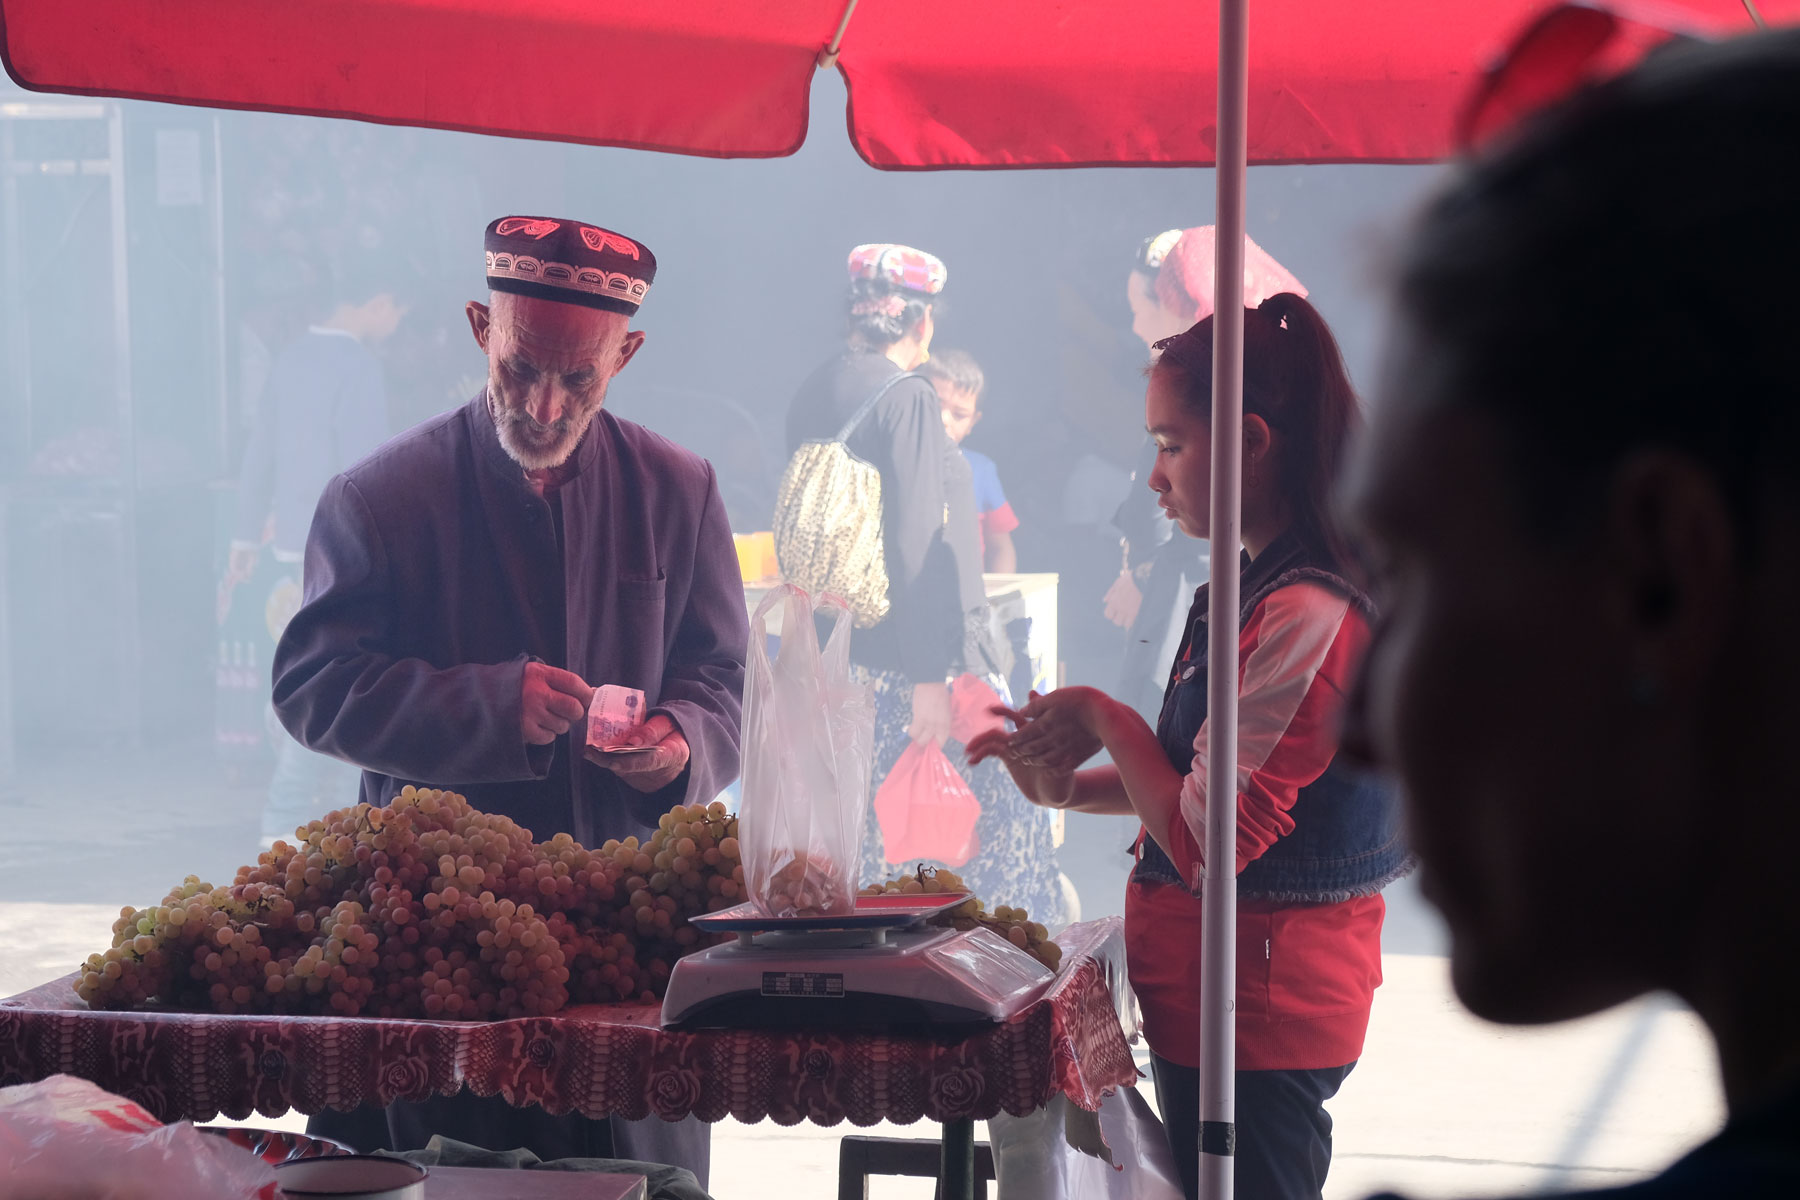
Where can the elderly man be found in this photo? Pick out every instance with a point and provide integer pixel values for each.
(470, 583)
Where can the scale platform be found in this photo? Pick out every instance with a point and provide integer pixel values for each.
(881, 968)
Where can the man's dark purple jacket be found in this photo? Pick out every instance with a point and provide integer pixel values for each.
(433, 575)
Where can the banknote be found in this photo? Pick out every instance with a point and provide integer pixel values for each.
(613, 715)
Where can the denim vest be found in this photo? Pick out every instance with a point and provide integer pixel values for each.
(1347, 839)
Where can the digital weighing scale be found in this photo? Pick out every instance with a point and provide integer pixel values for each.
(881, 968)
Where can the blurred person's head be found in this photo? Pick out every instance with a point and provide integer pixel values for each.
(1299, 414)
(556, 329)
(1150, 321)
(894, 291)
(1184, 282)
(959, 383)
(361, 297)
(1581, 494)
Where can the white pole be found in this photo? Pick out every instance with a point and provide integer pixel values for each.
(1218, 940)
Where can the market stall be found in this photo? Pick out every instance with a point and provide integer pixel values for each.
(599, 1059)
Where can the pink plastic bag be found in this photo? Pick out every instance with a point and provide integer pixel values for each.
(972, 704)
(926, 810)
(64, 1136)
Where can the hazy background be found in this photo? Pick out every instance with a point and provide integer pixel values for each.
(128, 385)
(132, 744)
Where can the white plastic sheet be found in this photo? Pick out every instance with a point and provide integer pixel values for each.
(64, 1136)
(1061, 1152)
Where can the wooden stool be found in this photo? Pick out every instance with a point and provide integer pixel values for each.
(919, 1158)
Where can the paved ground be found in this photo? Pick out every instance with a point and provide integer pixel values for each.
(1441, 1105)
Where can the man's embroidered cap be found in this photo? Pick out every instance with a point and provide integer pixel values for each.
(569, 262)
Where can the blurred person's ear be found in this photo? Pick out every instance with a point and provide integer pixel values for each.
(1672, 550)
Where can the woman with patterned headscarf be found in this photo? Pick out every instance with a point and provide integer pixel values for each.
(934, 627)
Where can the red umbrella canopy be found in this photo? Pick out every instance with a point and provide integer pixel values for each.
(932, 83)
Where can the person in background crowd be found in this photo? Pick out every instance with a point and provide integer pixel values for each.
(1316, 843)
(323, 407)
(1170, 287)
(1582, 509)
(470, 584)
(937, 628)
(1155, 559)
(959, 383)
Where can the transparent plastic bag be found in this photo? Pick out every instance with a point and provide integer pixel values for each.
(64, 1136)
(1062, 1152)
(809, 740)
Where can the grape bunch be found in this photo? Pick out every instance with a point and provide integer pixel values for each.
(1013, 924)
(427, 908)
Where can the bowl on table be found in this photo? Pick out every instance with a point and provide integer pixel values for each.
(350, 1177)
(276, 1146)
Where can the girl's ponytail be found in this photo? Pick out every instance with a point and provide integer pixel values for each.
(1315, 410)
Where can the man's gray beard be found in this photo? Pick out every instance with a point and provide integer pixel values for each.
(536, 458)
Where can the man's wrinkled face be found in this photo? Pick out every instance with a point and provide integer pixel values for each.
(1493, 688)
(549, 365)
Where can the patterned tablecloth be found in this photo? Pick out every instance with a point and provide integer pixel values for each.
(598, 1059)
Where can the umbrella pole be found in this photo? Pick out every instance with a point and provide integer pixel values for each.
(1218, 942)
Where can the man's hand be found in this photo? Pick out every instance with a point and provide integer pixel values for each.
(930, 713)
(1123, 600)
(653, 769)
(553, 701)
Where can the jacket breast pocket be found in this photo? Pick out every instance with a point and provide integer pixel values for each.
(638, 623)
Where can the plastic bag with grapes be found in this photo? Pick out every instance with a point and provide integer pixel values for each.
(809, 739)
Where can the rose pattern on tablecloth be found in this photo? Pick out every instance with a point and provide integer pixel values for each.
(600, 1060)
(957, 1093)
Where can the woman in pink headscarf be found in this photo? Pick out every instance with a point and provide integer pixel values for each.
(1169, 289)
(1184, 282)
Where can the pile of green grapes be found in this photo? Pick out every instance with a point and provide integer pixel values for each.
(427, 908)
(1013, 924)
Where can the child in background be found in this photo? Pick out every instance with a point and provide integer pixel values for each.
(958, 380)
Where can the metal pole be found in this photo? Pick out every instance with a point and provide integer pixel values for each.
(17, 316)
(1218, 939)
(221, 323)
(956, 1175)
(130, 666)
(18, 344)
(8, 759)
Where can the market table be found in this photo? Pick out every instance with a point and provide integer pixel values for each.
(600, 1060)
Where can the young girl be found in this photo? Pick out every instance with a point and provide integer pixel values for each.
(1315, 843)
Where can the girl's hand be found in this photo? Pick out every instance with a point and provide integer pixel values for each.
(1061, 730)
(1047, 787)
